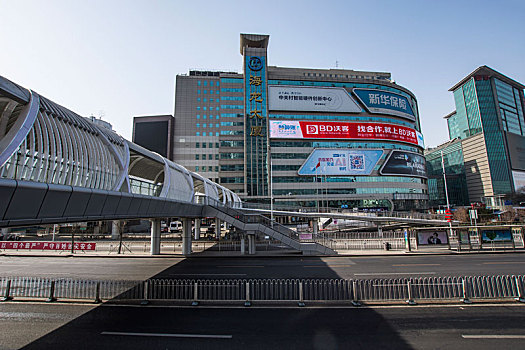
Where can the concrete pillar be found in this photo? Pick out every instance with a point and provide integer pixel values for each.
(251, 244)
(115, 229)
(197, 229)
(5, 233)
(218, 228)
(155, 237)
(186, 236)
(380, 231)
(243, 247)
(316, 226)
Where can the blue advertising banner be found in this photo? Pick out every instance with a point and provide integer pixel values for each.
(340, 162)
(496, 235)
(380, 101)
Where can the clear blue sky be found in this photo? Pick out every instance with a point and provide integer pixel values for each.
(119, 58)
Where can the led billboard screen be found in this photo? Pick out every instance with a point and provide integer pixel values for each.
(405, 164)
(340, 162)
(311, 99)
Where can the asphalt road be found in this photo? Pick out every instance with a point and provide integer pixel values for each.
(274, 267)
(70, 326)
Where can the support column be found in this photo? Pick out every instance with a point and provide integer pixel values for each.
(243, 246)
(197, 229)
(218, 228)
(251, 244)
(186, 236)
(115, 229)
(5, 233)
(315, 225)
(155, 237)
(380, 231)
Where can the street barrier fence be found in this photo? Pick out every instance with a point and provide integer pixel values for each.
(409, 290)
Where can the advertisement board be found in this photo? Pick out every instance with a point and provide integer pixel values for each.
(385, 102)
(404, 163)
(432, 237)
(488, 236)
(519, 179)
(311, 99)
(47, 245)
(293, 129)
(340, 162)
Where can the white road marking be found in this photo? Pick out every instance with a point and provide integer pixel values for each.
(170, 335)
(207, 274)
(393, 273)
(493, 336)
(416, 265)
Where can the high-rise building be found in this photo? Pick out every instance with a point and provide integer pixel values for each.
(309, 137)
(490, 126)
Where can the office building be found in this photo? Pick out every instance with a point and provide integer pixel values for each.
(308, 137)
(489, 123)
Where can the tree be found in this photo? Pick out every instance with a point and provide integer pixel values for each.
(461, 214)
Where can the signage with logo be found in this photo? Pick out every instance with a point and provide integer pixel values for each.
(293, 129)
(340, 162)
(311, 99)
(404, 164)
(385, 102)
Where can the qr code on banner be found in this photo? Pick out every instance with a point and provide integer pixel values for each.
(357, 162)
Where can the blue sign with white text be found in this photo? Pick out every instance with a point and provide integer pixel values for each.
(340, 162)
(380, 101)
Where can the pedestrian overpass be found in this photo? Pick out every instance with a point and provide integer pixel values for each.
(58, 167)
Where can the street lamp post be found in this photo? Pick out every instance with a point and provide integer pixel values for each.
(446, 193)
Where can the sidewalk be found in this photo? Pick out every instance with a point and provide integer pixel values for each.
(261, 253)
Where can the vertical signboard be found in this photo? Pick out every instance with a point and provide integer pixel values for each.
(256, 120)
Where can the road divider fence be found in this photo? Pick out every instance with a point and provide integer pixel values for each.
(355, 291)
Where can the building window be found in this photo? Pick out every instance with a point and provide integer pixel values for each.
(216, 168)
(204, 91)
(204, 145)
(198, 91)
(210, 168)
(198, 133)
(199, 83)
(216, 145)
(197, 145)
(204, 133)
(211, 144)
(198, 125)
(196, 168)
(198, 99)
(196, 157)
(216, 158)
(198, 116)
(205, 83)
(210, 156)
(216, 134)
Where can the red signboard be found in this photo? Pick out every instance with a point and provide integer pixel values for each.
(47, 245)
(342, 130)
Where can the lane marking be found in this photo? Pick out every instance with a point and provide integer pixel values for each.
(503, 262)
(416, 265)
(207, 274)
(393, 273)
(328, 266)
(170, 335)
(493, 336)
(240, 266)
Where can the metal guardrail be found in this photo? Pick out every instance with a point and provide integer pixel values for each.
(408, 290)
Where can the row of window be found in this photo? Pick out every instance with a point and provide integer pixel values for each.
(210, 145)
(209, 125)
(206, 91)
(209, 117)
(239, 143)
(232, 90)
(209, 168)
(231, 115)
(232, 132)
(232, 98)
(331, 179)
(337, 144)
(208, 108)
(205, 83)
(324, 192)
(232, 107)
(198, 133)
(231, 80)
(210, 157)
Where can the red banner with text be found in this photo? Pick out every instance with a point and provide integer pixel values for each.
(47, 245)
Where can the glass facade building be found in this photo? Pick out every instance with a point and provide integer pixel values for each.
(489, 123)
(308, 137)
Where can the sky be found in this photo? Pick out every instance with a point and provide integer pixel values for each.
(118, 59)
